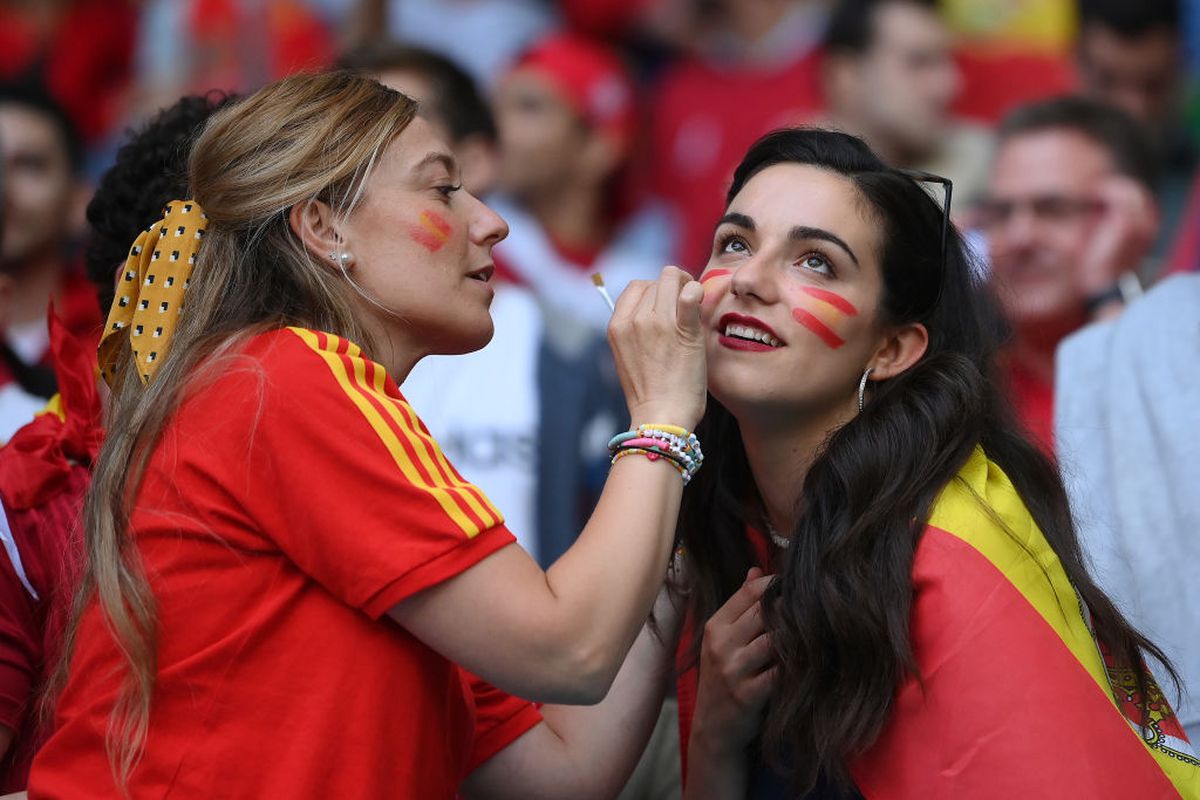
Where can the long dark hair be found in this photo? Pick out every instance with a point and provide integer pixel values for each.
(839, 609)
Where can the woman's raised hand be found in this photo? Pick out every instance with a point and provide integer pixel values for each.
(658, 344)
(736, 673)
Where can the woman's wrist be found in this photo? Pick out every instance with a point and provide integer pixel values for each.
(715, 746)
(657, 416)
(715, 770)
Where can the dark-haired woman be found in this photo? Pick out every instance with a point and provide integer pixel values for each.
(930, 629)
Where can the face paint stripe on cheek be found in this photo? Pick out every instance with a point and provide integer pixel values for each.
(820, 320)
(823, 331)
(831, 317)
(432, 233)
(832, 298)
(435, 221)
(709, 295)
(426, 239)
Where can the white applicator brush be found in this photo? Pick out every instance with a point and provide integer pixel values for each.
(598, 280)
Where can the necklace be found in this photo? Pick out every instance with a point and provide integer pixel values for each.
(781, 542)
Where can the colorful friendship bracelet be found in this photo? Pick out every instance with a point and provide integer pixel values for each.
(686, 450)
(654, 453)
(653, 456)
(678, 446)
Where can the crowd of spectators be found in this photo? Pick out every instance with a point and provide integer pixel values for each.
(605, 134)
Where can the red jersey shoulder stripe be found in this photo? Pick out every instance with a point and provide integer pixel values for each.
(370, 379)
(415, 458)
(379, 408)
(430, 456)
(479, 500)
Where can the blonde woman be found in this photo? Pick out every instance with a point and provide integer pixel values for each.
(284, 574)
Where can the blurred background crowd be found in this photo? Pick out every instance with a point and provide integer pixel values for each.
(605, 133)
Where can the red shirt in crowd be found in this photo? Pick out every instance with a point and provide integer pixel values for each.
(703, 119)
(44, 471)
(1033, 399)
(85, 58)
(76, 316)
(292, 500)
(32, 612)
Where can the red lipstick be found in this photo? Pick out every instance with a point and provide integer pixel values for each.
(738, 343)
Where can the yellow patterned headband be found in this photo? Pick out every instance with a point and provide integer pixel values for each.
(149, 296)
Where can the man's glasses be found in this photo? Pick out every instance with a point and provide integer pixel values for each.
(1052, 209)
(948, 188)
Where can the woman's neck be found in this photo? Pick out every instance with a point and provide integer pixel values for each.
(395, 348)
(573, 217)
(780, 456)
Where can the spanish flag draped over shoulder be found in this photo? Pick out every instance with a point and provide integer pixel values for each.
(1015, 698)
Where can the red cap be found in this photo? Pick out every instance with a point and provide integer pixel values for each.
(591, 78)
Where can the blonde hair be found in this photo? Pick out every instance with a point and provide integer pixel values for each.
(313, 136)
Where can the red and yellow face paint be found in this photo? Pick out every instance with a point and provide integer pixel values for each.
(712, 275)
(431, 232)
(824, 314)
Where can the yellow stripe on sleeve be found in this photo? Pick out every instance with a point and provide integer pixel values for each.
(420, 444)
(425, 444)
(485, 509)
(449, 501)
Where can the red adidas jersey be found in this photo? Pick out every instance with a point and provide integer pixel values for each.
(292, 500)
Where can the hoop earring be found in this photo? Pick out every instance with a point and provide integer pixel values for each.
(862, 389)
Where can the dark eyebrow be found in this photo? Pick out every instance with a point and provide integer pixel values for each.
(801, 233)
(436, 157)
(734, 218)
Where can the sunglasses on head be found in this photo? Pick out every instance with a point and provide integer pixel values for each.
(948, 185)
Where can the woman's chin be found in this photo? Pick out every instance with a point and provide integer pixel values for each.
(472, 341)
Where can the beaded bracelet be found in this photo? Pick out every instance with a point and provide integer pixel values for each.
(677, 445)
(685, 440)
(653, 456)
(654, 453)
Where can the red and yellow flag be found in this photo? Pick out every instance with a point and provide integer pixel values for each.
(1015, 697)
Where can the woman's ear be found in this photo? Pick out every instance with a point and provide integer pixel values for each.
(312, 222)
(902, 348)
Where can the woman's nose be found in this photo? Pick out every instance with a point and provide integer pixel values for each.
(752, 278)
(487, 227)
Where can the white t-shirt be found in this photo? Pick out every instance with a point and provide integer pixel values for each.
(482, 408)
(17, 407)
(481, 36)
